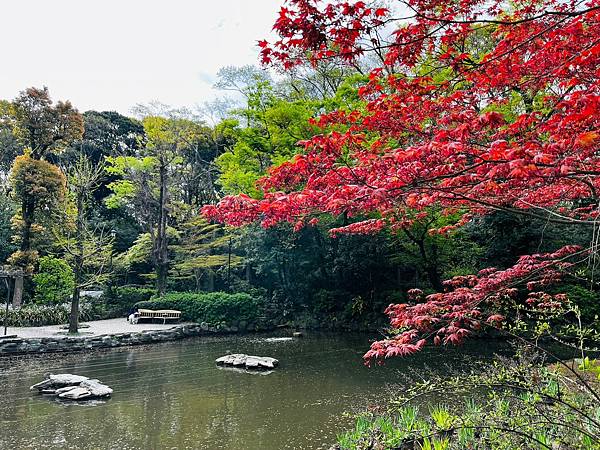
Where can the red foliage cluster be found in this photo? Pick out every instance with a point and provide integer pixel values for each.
(422, 141)
(451, 316)
(513, 125)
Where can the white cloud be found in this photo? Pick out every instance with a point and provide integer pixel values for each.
(112, 54)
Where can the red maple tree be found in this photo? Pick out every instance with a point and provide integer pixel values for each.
(476, 106)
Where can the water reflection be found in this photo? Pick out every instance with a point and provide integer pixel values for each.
(174, 396)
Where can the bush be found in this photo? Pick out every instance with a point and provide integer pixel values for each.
(54, 282)
(213, 308)
(119, 300)
(585, 299)
(42, 315)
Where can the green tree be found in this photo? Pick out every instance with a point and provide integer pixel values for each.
(40, 187)
(7, 210)
(266, 132)
(203, 249)
(87, 249)
(10, 147)
(43, 128)
(54, 281)
(150, 184)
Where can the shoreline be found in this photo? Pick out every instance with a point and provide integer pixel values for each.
(14, 346)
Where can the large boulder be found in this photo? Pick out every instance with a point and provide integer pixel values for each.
(72, 387)
(96, 389)
(58, 381)
(247, 361)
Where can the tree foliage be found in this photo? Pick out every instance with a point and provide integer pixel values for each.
(42, 126)
(54, 281)
(39, 187)
(476, 107)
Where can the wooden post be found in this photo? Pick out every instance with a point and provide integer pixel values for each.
(17, 299)
(7, 281)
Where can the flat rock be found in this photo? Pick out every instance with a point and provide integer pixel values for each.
(96, 388)
(279, 339)
(73, 387)
(247, 361)
(63, 390)
(77, 393)
(58, 381)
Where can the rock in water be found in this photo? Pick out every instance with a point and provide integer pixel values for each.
(58, 381)
(64, 389)
(72, 387)
(261, 362)
(96, 388)
(247, 361)
(77, 393)
(279, 339)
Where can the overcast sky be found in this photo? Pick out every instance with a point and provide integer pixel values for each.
(112, 54)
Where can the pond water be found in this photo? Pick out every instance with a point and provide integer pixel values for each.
(172, 396)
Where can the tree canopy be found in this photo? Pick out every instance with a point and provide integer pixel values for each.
(475, 107)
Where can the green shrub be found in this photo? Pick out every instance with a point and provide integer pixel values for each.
(588, 301)
(42, 315)
(213, 308)
(119, 300)
(54, 282)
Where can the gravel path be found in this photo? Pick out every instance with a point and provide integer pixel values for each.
(110, 326)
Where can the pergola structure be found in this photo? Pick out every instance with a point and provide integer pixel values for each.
(16, 274)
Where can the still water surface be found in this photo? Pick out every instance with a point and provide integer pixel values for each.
(172, 396)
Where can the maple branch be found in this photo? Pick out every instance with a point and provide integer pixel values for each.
(567, 14)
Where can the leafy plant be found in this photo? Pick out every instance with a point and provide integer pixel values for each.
(521, 403)
(214, 308)
(42, 315)
(119, 300)
(54, 282)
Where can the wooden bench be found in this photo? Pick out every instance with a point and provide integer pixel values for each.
(164, 314)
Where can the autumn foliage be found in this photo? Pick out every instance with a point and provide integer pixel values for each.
(476, 106)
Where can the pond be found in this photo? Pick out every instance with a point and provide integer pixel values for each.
(172, 396)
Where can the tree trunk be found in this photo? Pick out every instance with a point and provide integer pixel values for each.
(211, 281)
(74, 316)
(429, 262)
(430, 268)
(161, 249)
(434, 278)
(78, 266)
(27, 211)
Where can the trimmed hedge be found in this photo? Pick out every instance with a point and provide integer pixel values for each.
(42, 315)
(213, 308)
(119, 300)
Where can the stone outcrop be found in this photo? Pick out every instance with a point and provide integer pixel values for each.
(72, 387)
(247, 361)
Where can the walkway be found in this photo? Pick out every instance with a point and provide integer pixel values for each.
(97, 327)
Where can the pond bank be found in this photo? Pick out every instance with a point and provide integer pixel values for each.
(20, 345)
